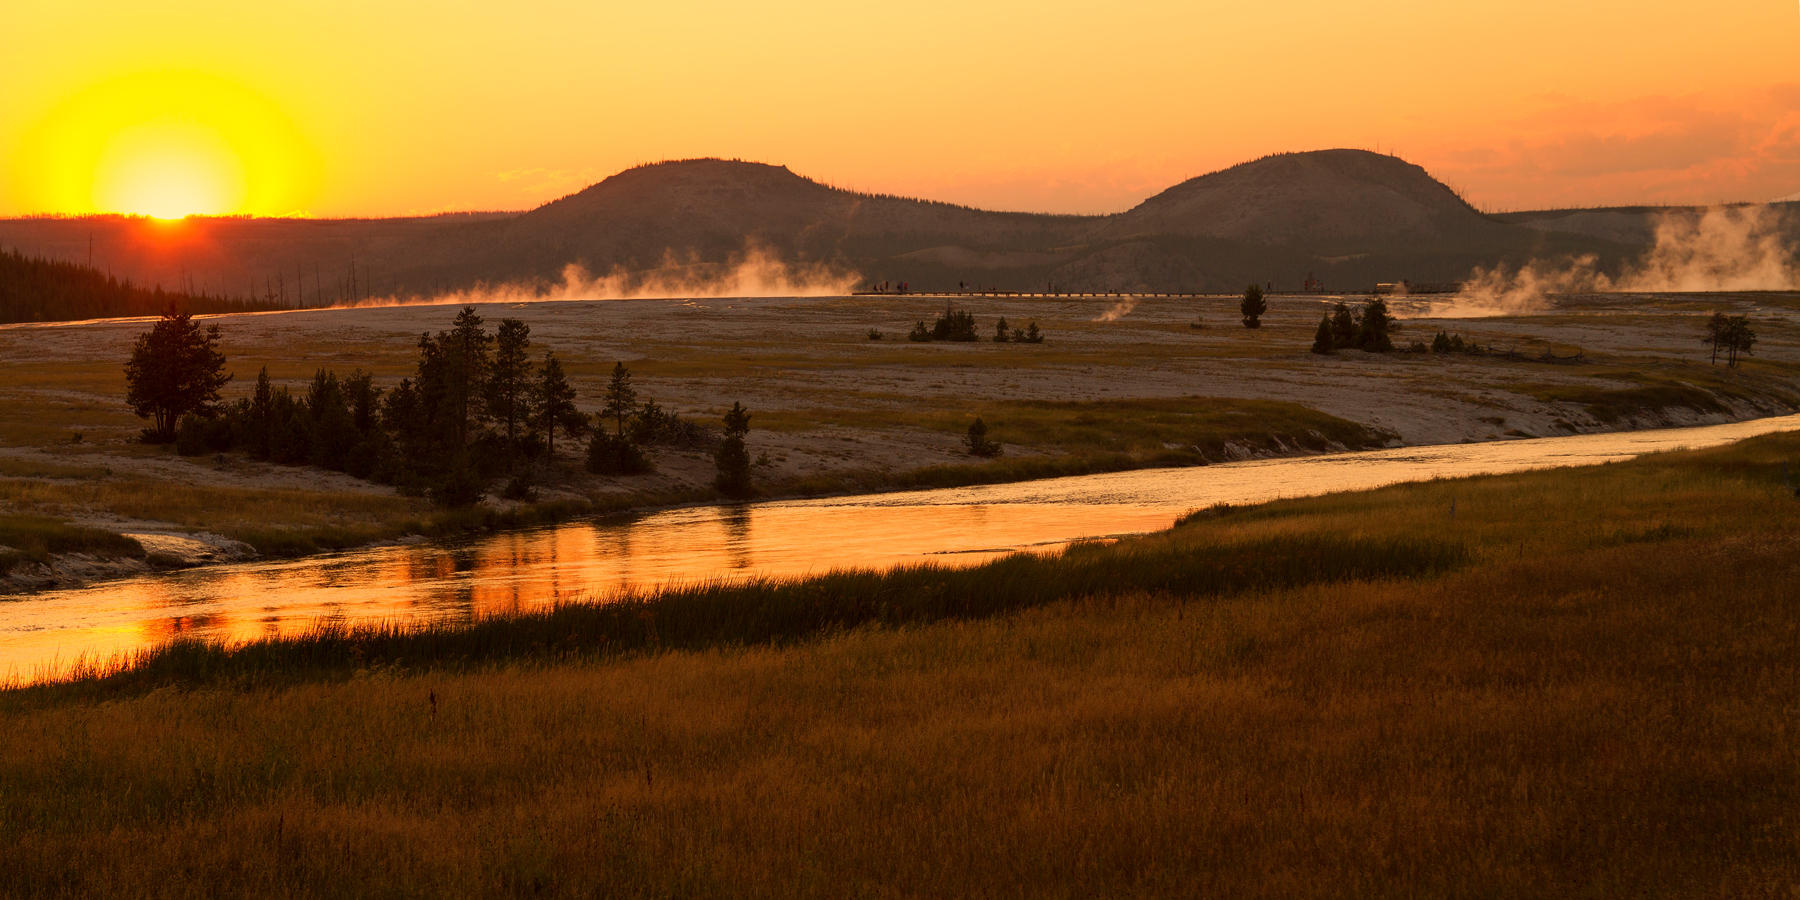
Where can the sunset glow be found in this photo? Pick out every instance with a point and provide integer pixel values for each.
(165, 144)
(340, 108)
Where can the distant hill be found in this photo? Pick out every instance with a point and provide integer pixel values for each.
(1347, 217)
(1327, 201)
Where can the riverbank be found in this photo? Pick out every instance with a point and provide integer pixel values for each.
(1415, 690)
(835, 412)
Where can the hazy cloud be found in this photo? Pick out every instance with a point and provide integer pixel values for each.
(1676, 150)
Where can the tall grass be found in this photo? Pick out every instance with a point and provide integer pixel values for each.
(776, 611)
(35, 539)
(1591, 693)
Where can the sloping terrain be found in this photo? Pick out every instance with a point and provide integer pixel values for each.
(1346, 217)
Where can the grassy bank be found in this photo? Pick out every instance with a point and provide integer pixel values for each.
(1562, 683)
(1055, 438)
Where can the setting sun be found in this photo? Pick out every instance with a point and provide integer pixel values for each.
(169, 144)
(168, 170)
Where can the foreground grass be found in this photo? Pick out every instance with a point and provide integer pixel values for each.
(1584, 686)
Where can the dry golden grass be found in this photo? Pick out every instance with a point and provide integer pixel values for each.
(1601, 704)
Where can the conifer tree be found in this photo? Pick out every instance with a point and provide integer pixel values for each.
(1376, 323)
(509, 378)
(1253, 306)
(555, 404)
(733, 456)
(1322, 338)
(175, 369)
(621, 397)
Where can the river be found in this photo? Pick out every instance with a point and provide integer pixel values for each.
(41, 634)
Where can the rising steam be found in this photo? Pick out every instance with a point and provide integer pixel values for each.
(754, 273)
(1720, 249)
(1119, 310)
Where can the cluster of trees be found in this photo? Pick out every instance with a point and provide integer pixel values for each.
(1444, 342)
(1730, 335)
(1027, 335)
(1344, 328)
(475, 409)
(634, 426)
(44, 290)
(959, 325)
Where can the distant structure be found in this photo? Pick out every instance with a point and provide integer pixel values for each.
(1404, 287)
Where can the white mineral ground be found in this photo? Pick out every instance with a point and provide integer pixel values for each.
(795, 356)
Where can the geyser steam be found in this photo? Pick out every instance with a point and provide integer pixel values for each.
(754, 273)
(1721, 249)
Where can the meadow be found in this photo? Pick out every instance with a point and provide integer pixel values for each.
(1575, 682)
(834, 411)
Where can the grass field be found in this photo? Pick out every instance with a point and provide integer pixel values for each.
(835, 412)
(1562, 683)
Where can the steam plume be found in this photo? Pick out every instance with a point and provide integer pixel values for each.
(1720, 249)
(754, 273)
(1119, 310)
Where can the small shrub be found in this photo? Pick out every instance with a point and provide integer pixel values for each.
(612, 454)
(519, 488)
(977, 441)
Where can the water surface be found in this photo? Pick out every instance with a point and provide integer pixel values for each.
(520, 570)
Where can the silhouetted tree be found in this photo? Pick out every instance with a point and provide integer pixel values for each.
(1739, 338)
(615, 453)
(1001, 334)
(733, 456)
(459, 359)
(555, 404)
(175, 369)
(621, 398)
(1344, 326)
(1032, 334)
(1718, 328)
(976, 440)
(1322, 340)
(508, 388)
(332, 432)
(1376, 323)
(1253, 306)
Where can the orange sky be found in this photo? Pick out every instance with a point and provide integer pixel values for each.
(338, 108)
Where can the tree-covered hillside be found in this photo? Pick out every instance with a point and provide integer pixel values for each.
(43, 290)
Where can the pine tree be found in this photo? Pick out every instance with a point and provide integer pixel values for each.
(1001, 333)
(1344, 326)
(621, 398)
(555, 404)
(175, 369)
(1253, 306)
(1376, 323)
(733, 456)
(976, 440)
(465, 353)
(1322, 337)
(1718, 331)
(509, 378)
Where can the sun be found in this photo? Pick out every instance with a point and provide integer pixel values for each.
(168, 145)
(169, 170)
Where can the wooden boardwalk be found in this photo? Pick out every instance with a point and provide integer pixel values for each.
(1045, 295)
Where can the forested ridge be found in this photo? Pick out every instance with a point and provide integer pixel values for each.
(33, 289)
